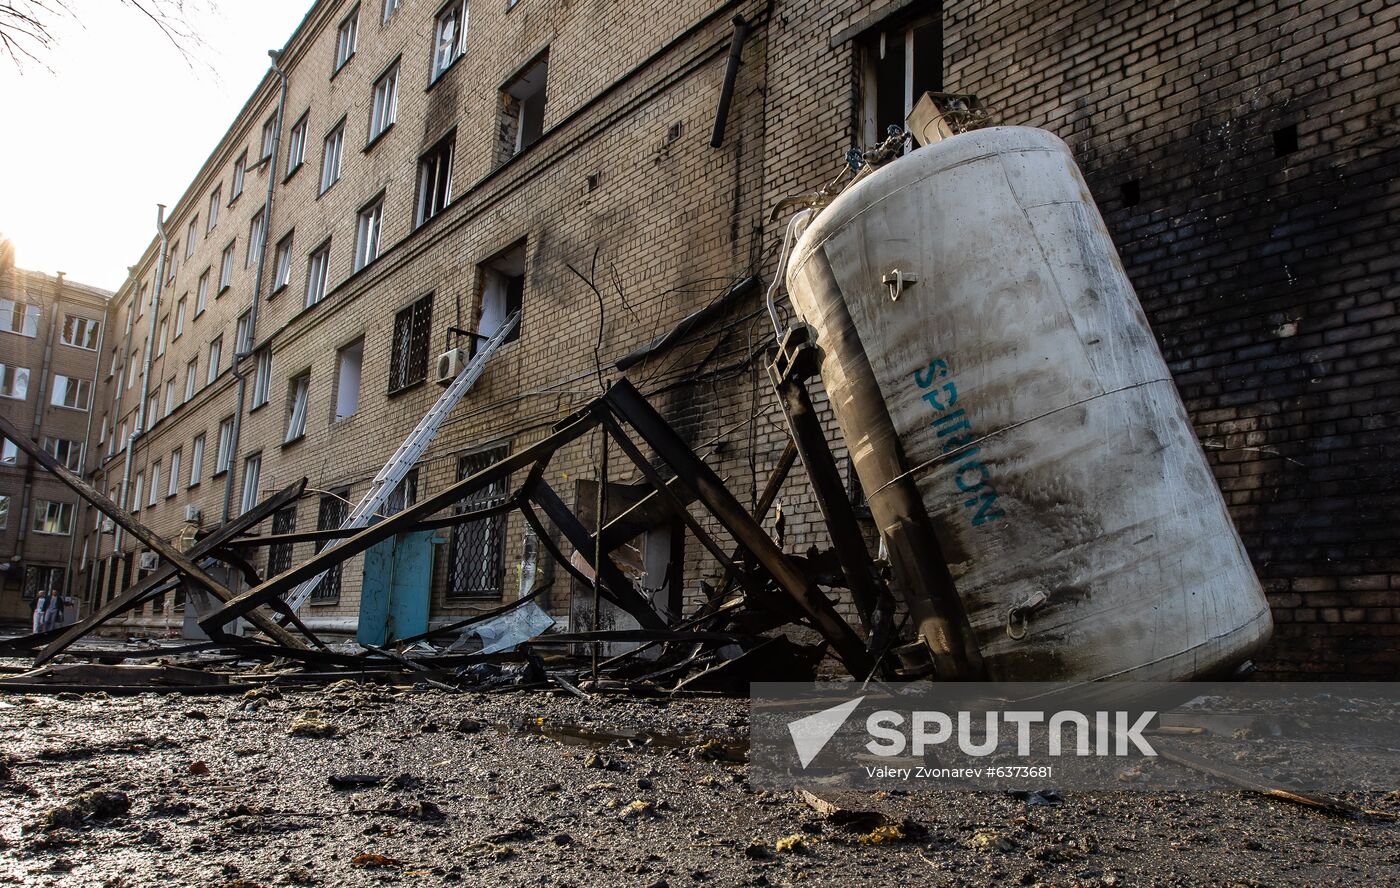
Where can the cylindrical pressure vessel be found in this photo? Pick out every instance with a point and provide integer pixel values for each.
(1002, 396)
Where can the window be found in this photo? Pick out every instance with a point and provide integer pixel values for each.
(367, 233)
(190, 230)
(173, 262)
(389, 7)
(243, 335)
(162, 335)
(345, 38)
(69, 392)
(153, 496)
(298, 394)
(9, 452)
(900, 66)
(216, 200)
(172, 485)
(120, 439)
(191, 377)
(239, 168)
(449, 36)
(330, 156)
(68, 453)
(269, 138)
(435, 180)
(4, 511)
(153, 409)
(279, 555)
(384, 107)
(404, 495)
(257, 229)
(41, 578)
(141, 301)
(521, 114)
(262, 381)
(347, 379)
(296, 144)
(252, 470)
(196, 459)
(53, 518)
(282, 263)
(223, 458)
(19, 317)
(502, 291)
(216, 356)
(316, 266)
(180, 315)
(226, 266)
(408, 362)
(138, 491)
(476, 566)
(112, 370)
(201, 295)
(170, 396)
(332, 513)
(133, 367)
(14, 382)
(81, 332)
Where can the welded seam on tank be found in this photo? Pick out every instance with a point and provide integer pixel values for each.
(952, 454)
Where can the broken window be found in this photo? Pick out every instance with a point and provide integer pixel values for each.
(477, 565)
(384, 107)
(196, 459)
(408, 361)
(298, 395)
(502, 291)
(449, 36)
(53, 517)
(81, 332)
(331, 152)
(226, 266)
(223, 458)
(262, 379)
(333, 511)
(252, 475)
(14, 382)
(239, 168)
(282, 263)
(69, 392)
(216, 355)
(435, 179)
(19, 317)
(367, 233)
(68, 453)
(901, 64)
(296, 144)
(521, 117)
(345, 38)
(317, 265)
(279, 555)
(347, 379)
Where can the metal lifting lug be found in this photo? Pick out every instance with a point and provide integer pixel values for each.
(898, 281)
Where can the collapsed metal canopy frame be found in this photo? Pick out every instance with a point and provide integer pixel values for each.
(774, 584)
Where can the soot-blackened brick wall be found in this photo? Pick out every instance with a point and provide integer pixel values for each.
(1244, 155)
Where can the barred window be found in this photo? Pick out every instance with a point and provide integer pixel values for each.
(332, 513)
(408, 363)
(279, 555)
(477, 565)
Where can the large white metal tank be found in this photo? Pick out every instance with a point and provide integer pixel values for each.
(1017, 387)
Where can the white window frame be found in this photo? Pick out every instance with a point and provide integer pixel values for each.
(223, 457)
(390, 7)
(243, 333)
(269, 138)
(216, 357)
(349, 372)
(216, 199)
(190, 231)
(191, 378)
(449, 45)
(66, 388)
(240, 172)
(48, 513)
(296, 144)
(282, 263)
(28, 318)
(252, 472)
(262, 379)
(226, 265)
(80, 332)
(298, 404)
(153, 494)
(14, 382)
(172, 484)
(201, 296)
(332, 154)
(257, 233)
(384, 102)
(317, 266)
(346, 34)
(162, 335)
(430, 173)
(196, 459)
(367, 232)
(180, 309)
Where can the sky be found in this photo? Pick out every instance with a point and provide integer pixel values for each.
(119, 122)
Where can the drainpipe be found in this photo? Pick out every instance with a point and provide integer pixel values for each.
(83, 460)
(731, 73)
(140, 427)
(40, 399)
(238, 356)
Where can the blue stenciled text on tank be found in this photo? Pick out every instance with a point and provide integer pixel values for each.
(954, 429)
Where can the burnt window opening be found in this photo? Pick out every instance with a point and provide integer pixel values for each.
(435, 179)
(408, 361)
(333, 511)
(901, 63)
(477, 565)
(1131, 192)
(502, 292)
(521, 115)
(1285, 140)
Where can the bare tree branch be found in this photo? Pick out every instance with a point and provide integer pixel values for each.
(27, 26)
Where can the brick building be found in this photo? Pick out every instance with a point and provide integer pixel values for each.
(51, 330)
(427, 169)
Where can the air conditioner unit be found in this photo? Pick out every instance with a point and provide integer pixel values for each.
(192, 513)
(449, 366)
(149, 561)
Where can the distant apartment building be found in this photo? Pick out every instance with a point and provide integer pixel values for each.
(51, 331)
(425, 169)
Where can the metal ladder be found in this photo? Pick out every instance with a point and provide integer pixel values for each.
(403, 460)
